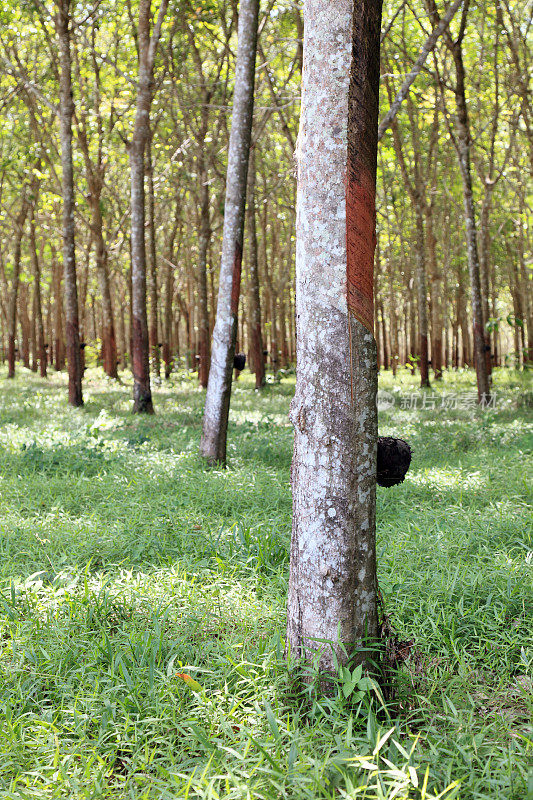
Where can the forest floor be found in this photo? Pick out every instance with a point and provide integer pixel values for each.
(125, 564)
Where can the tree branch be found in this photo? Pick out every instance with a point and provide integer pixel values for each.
(429, 45)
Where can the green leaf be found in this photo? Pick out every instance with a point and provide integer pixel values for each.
(272, 721)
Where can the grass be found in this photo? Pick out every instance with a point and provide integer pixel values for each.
(125, 564)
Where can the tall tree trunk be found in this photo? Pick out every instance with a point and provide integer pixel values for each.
(204, 333)
(122, 337)
(25, 325)
(66, 111)
(526, 290)
(437, 316)
(34, 344)
(463, 151)
(36, 269)
(59, 343)
(142, 394)
(421, 289)
(254, 297)
(332, 603)
(393, 323)
(167, 339)
(484, 265)
(384, 339)
(109, 341)
(215, 425)
(414, 189)
(13, 297)
(153, 327)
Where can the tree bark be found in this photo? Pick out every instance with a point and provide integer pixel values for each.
(25, 325)
(109, 341)
(463, 150)
(332, 603)
(167, 340)
(66, 111)
(254, 296)
(437, 316)
(421, 288)
(142, 394)
(39, 327)
(13, 297)
(153, 329)
(59, 346)
(414, 189)
(216, 412)
(462, 142)
(204, 334)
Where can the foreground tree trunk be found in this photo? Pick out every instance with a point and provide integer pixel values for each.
(332, 586)
(215, 425)
(66, 111)
(142, 394)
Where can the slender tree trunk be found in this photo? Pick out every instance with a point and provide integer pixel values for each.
(254, 297)
(109, 342)
(153, 328)
(437, 316)
(36, 269)
(122, 337)
(142, 393)
(384, 339)
(214, 432)
(414, 189)
(421, 288)
(463, 152)
(66, 111)
(393, 323)
(484, 265)
(34, 344)
(13, 297)
(59, 347)
(283, 329)
(526, 286)
(204, 333)
(25, 325)
(332, 603)
(167, 340)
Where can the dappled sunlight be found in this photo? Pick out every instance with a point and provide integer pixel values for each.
(125, 562)
(448, 478)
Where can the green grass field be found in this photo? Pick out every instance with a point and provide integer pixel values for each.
(124, 563)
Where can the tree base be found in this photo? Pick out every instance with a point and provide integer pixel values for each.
(142, 403)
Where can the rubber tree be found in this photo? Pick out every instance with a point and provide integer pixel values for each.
(332, 602)
(12, 303)
(254, 295)
(66, 111)
(462, 140)
(217, 402)
(148, 42)
(90, 124)
(38, 310)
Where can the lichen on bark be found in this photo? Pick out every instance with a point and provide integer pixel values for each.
(332, 603)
